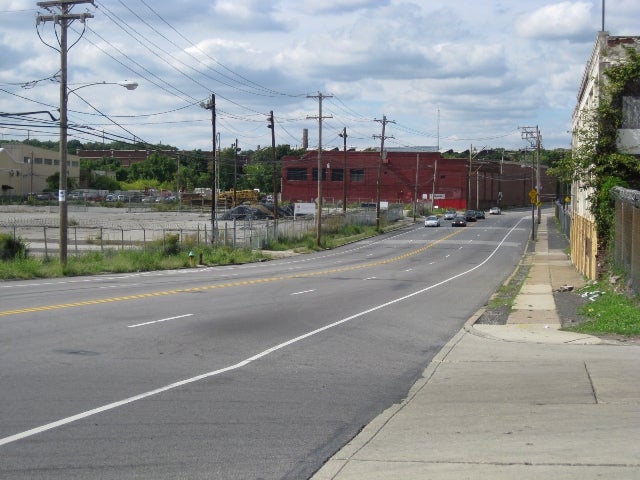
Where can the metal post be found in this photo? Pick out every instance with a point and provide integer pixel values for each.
(344, 172)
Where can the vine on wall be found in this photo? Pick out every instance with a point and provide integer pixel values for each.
(595, 161)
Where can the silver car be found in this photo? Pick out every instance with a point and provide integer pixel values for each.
(450, 215)
(432, 221)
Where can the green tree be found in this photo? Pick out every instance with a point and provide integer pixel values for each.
(156, 166)
(53, 182)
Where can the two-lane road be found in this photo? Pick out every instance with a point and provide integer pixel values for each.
(249, 371)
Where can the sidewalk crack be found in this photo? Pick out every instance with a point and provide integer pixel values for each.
(593, 387)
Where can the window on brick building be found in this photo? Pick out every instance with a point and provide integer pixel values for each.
(357, 174)
(296, 173)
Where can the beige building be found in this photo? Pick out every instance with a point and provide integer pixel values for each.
(608, 51)
(25, 169)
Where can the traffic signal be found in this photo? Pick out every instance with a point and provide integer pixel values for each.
(533, 196)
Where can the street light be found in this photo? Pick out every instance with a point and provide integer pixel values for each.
(62, 186)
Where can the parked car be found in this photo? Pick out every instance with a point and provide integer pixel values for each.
(470, 216)
(459, 221)
(432, 221)
(480, 215)
(495, 211)
(450, 215)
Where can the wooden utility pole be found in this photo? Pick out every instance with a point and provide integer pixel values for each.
(211, 105)
(382, 137)
(275, 172)
(532, 135)
(235, 172)
(415, 188)
(61, 15)
(320, 97)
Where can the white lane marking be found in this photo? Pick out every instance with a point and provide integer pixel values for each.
(158, 321)
(370, 278)
(304, 291)
(243, 363)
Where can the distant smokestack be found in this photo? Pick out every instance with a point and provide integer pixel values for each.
(305, 138)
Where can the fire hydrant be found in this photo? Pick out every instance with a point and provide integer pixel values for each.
(192, 258)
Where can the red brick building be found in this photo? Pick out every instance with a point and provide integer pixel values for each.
(409, 174)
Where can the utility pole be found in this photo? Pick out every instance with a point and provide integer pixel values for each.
(320, 97)
(275, 176)
(235, 172)
(344, 172)
(433, 187)
(382, 138)
(61, 15)
(532, 135)
(211, 105)
(471, 157)
(500, 181)
(469, 176)
(415, 188)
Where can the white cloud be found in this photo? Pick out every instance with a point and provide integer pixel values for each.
(560, 20)
(488, 66)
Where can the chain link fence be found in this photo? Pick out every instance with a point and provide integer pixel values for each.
(98, 229)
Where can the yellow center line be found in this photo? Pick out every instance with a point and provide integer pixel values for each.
(203, 288)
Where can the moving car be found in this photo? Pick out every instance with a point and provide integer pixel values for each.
(480, 215)
(450, 214)
(470, 216)
(432, 221)
(495, 211)
(459, 221)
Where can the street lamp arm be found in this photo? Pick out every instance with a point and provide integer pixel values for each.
(129, 85)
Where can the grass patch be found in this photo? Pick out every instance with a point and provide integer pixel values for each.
(331, 237)
(505, 295)
(169, 253)
(123, 261)
(609, 312)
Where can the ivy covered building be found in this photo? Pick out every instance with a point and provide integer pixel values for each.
(600, 134)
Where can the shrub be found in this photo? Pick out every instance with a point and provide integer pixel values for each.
(11, 248)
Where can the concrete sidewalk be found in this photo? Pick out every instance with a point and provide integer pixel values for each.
(522, 400)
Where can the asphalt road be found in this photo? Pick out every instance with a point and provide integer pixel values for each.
(257, 371)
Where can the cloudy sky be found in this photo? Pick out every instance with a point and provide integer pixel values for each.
(451, 73)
